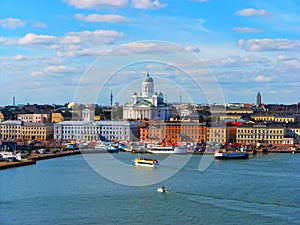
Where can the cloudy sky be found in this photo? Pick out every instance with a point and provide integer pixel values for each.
(47, 48)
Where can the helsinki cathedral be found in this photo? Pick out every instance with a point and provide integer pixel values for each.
(148, 104)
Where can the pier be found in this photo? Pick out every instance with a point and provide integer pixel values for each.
(31, 160)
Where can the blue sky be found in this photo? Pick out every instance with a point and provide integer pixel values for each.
(47, 48)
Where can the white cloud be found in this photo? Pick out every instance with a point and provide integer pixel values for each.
(261, 78)
(18, 57)
(96, 4)
(12, 23)
(200, 0)
(71, 40)
(80, 53)
(252, 12)
(269, 44)
(109, 18)
(192, 48)
(36, 73)
(286, 58)
(92, 37)
(40, 25)
(247, 30)
(146, 4)
(58, 69)
(200, 25)
(32, 38)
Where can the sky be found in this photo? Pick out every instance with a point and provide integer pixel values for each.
(196, 50)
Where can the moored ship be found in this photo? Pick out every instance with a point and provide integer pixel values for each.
(223, 154)
(160, 149)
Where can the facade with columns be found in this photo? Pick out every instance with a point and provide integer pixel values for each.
(147, 105)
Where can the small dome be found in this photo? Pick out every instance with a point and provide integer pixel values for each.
(148, 78)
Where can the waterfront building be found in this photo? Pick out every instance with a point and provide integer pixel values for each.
(37, 131)
(147, 105)
(10, 129)
(35, 117)
(293, 131)
(231, 133)
(174, 132)
(265, 133)
(97, 130)
(216, 133)
(153, 131)
(120, 130)
(77, 130)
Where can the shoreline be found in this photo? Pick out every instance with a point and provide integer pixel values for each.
(31, 160)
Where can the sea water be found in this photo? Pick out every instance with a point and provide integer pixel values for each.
(265, 189)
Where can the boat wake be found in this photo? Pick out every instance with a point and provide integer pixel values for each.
(273, 210)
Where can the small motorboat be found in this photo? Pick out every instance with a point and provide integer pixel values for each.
(161, 189)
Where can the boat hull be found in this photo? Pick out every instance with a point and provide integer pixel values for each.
(231, 155)
(167, 150)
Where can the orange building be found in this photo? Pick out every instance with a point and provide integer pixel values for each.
(174, 132)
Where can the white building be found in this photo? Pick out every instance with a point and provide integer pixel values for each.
(88, 115)
(147, 105)
(34, 117)
(89, 131)
(77, 130)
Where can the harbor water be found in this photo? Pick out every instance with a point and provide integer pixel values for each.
(265, 189)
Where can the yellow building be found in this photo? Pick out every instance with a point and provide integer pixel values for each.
(263, 117)
(216, 134)
(285, 119)
(230, 116)
(260, 133)
(37, 131)
(10, 129)
(273, 118)
(57, 117)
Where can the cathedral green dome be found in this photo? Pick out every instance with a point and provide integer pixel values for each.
(148, 78)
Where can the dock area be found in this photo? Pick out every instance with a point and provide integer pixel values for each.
(7, 165)
(31, 160)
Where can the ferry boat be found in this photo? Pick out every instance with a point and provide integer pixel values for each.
(160, 149)
(223, 154)
(146, 162)
(110, 147)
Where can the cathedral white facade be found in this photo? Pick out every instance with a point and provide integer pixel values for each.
(147, 105)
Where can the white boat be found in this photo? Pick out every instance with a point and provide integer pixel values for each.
(107, 147)
(161, 189)
(160, 149)
(146, 162)
(10, 157)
